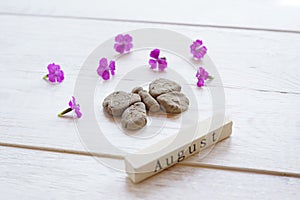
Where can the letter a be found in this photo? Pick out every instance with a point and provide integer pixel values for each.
(158, 166)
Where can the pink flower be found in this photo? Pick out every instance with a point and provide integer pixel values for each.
(104, 69)
(200, 83)
(198, 50)
(123, 43)
(157, 62)
(55, 73)
(73, 106)
(201, 75)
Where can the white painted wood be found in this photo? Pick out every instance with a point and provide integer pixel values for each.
(26, 174)
(247, 61)
(172, 150)
(260, 73)
(270, 14)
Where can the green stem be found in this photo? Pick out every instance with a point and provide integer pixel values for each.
(64, 112)
(210, 77)
(45, 77)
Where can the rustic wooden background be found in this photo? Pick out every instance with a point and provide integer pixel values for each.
(255, 45)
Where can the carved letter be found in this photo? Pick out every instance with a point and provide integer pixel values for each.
(167, 161)
(158, 166)
(203, 143)
(192, 150)
(214, 137)
(180, 156)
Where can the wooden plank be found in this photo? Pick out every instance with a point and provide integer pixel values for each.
(268, 124)
(245, 60)
(26, 174)
(260, 96)
(257, 132)
(274, 15)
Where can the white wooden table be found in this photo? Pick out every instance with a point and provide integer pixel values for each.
(255, 46)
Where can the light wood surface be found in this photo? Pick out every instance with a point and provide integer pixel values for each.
(260, 74)
(273, 15)
(27, 174)
(255, 100)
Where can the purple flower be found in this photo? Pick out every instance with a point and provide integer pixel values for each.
(157, 62)
(200, 83)
(55, 73)
(104, 68)
(123, 43)
(201, 75)
(198, 50)
(74, 106)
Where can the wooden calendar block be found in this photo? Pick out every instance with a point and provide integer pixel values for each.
(176, 148)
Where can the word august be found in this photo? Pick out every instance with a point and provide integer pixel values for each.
(194, 148)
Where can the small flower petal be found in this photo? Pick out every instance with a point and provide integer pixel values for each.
(120, 48)
(112, 67)
(71, 104)
(100, 71)
(60, 76)
(201, 52)
(128, 46)
(78, 113)
(162, 64)
(153, 64)
(155, 53)
(202, 73)
(200, 82)
(52, 68)
(105, 75)
(198, 42)
(51, 78)
(119, 38)
(103, 63)
(127, 38)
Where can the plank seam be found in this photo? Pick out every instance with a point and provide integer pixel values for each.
(59, 150)
(240, 169)
(184, 163)
(153, 22)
